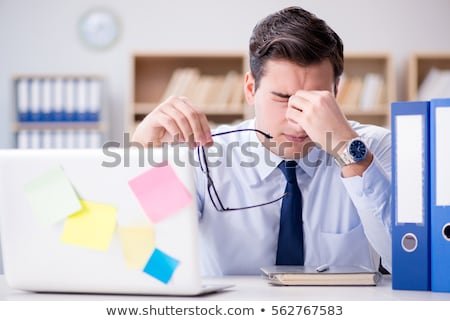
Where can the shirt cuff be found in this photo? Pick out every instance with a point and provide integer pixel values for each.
(372, 189)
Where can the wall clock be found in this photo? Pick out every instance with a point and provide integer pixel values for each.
(99, 28)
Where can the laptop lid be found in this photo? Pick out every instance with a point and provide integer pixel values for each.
(100, 221)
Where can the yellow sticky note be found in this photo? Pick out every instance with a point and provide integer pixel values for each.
(138, 243)
(93, 226)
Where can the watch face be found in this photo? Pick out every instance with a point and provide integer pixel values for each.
(99, 28)
(358, 150)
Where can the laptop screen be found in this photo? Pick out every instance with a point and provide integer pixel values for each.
(103, 221)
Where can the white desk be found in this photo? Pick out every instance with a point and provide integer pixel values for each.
(249, 288)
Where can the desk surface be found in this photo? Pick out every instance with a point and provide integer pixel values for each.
(250, 288)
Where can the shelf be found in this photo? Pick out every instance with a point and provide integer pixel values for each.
(58, 111)
(58, 126)
(159, 75)
(153, 72)
(213, 109)
(419, 67)
(368, 114)
(367, 87)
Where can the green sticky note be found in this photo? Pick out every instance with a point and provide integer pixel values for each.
(51, 196)
(91, 227)
(138, 243)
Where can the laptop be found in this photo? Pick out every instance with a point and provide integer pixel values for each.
(117, 221)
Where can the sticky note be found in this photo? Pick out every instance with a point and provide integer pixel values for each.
(161, 266)
(160, 192)
(138, 243)
(92, 227)
(51, 196)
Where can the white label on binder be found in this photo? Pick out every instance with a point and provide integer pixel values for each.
(23, 139)
(71, 139)
(46, 96)
(70, 96)
(47, 141)
(82, 95)
(409, 144)
(35, 139)
(94, 139)
(94, 96)
(35, 92)
(59, 139)
(22, 95)
(82, 138)
(442, 156)
(58, 95)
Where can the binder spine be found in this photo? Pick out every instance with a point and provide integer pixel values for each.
(23, 100)
(410, 196)
(440, 195)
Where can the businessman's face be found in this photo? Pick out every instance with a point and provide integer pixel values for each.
(281, 79)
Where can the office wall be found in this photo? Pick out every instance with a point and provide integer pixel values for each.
(41, 37)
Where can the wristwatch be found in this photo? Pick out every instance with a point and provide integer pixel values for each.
(355, 151)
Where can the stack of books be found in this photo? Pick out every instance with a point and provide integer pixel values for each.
(436, 84)
(362, 94)
(210, 93)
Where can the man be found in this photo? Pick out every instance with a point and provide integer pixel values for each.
(343, 207)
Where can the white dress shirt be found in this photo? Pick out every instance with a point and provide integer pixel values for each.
(345, 220)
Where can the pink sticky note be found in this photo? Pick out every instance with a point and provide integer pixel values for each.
(160, 192)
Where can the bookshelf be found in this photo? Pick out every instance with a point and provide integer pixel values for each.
(212, 81)
(367, 87)
(428, 76)
(153, 77)
(58, 111)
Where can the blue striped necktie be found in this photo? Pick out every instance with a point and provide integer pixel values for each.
(290, 236)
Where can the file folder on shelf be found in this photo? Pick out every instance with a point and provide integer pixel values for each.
(410, 195)
(23, 99)
(58, 111)
(440, 194)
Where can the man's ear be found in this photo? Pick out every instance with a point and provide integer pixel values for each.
(249, 88)
(336, 87)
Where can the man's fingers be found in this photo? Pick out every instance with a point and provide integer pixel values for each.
(196, 120)
(171, 126)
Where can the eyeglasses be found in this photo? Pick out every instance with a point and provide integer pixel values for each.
(212, 191)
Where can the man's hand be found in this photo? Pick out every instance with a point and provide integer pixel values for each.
(176, 120)
(318, 113)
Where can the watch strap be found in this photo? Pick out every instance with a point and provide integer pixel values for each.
(345, 158)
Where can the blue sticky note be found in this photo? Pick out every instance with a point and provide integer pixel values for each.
(161, 266)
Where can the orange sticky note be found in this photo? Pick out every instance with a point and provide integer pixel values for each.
(138, 243)
(160, 192)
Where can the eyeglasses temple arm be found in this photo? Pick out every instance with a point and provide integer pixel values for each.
(243, 130)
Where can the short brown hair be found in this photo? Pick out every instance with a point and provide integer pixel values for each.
(296, 35)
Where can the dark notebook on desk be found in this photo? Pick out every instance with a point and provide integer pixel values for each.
(334, 275)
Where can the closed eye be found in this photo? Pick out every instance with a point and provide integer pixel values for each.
(283, 96)
(280, 97)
